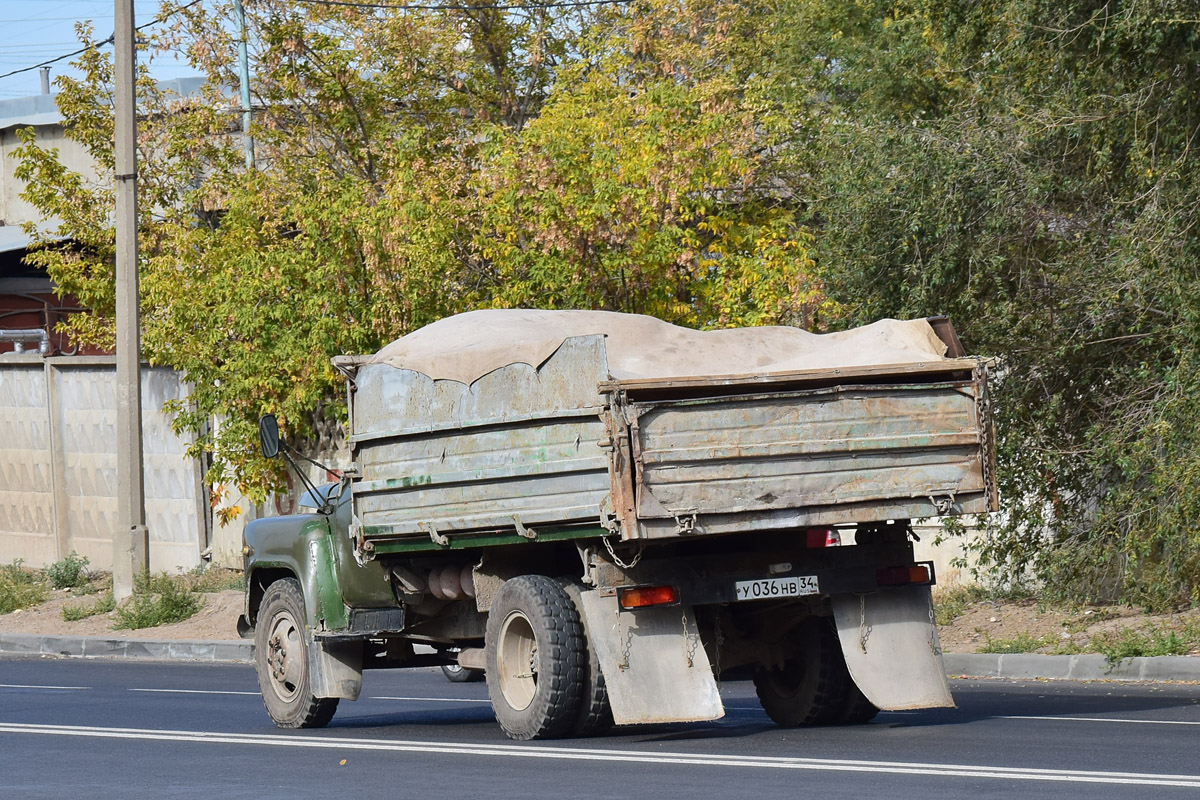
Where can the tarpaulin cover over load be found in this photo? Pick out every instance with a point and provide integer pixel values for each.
(477, 421)
(468, 346)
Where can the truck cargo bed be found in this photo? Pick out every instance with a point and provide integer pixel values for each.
(562, 450)
(803, 450)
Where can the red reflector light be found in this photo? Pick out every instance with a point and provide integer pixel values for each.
(648, 596)
(823, 537)
(902, 576)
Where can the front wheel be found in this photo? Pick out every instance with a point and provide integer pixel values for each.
(281, 647)
(536, 655)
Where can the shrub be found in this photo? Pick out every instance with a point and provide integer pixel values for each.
(77, 611)
(70, 573)
(157, 600)
(19, 587)
(215, 579)
(1022, 643)
(1153, 641)
(950, 604)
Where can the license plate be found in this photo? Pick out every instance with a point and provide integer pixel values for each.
(765, 589)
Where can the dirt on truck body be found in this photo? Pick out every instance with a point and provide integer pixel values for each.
(605, 513)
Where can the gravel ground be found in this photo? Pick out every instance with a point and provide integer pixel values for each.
(1083, 629)
(217, 619)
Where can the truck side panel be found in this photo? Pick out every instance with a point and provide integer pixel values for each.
(805, 457)
(519, 447)
(560, 447)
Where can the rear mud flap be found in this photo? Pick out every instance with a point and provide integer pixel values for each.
(891, 647)
(653, 662)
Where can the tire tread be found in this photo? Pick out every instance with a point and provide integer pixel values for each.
(310, 712)
(553, 710)
(595, 711)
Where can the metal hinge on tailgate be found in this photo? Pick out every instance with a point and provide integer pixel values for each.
(944, 504)
(622, 495)
(441, 540)
(685, 521)
(522, 531)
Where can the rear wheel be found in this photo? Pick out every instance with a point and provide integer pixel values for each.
(536, 655)
(856, 708)
(457, 673)
(595, 712)
(810, 686)
(281, 647)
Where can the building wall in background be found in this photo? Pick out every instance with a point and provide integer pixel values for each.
(13, 209)
(953, 557)
(58, 466)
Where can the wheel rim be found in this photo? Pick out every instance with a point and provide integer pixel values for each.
(516, 661)
(285, 656)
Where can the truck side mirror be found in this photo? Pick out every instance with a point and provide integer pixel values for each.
(268, 435)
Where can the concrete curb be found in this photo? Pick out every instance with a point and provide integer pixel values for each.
(1072, 668)
(32, 644)
(1017, 666)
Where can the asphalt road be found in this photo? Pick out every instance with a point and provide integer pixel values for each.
(91, 729)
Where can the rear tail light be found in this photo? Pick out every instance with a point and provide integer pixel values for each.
(823, 537)
(911, 574)
(644, 596)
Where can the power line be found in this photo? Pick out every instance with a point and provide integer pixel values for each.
(349, 3)
(55, 19)
(101, 43)
(48, 62)
(32, 49)
(486, 7)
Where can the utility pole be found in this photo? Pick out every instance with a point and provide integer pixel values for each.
(131, 540)
(244, 73)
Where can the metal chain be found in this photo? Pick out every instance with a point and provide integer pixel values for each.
(628, 644)
(937, 643)
(864, 630)
(690, 642)
(718, 640)
(617, 559)
(982, 406)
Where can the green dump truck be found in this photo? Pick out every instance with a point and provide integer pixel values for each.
(606, 514)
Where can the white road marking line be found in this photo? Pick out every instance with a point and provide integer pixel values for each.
(483, 701)
(625, 756)
(33, 686)
(1105, 719)
(192, 691)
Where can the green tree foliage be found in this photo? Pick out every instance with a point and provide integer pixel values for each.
(1028, 167)
(411, 164)
(639, 185)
